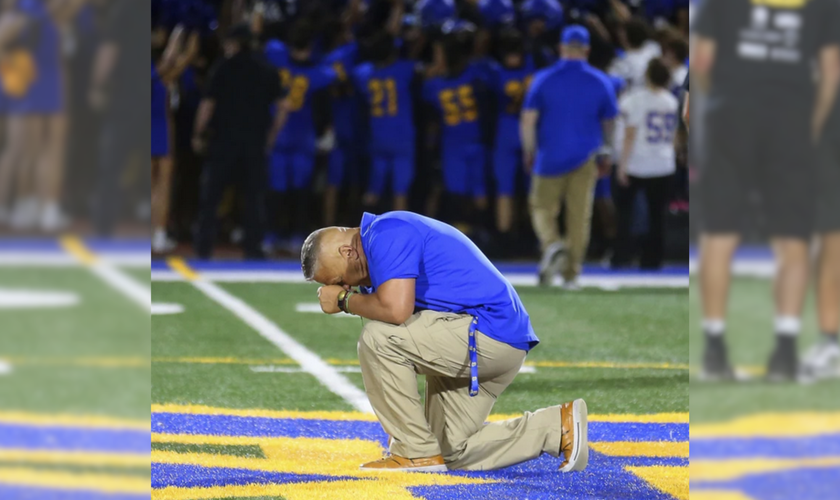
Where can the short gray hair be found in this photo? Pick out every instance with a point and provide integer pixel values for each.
(309, 254)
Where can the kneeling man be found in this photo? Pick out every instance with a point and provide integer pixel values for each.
(437, 307)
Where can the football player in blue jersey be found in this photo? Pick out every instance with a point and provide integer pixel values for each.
(293, 159)
(388, 87)
(509, 84)
(342, 55)
(459, 99)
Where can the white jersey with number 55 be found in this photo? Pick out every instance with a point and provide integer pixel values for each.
(654, 114)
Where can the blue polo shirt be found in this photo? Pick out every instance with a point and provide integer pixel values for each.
(572, 99)
(451, 273)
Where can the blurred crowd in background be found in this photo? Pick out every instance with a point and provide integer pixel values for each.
(322, 170)
(72, 115)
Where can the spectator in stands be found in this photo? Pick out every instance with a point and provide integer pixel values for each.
(640, 49)
(119, 90)
(561, 133)
(235, 127)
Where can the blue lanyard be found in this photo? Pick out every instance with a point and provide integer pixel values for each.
(473, 359)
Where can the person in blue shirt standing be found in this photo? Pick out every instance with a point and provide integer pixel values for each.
(567, 129)
(459, 98)
(293, 159)
(437, 307)
(388, 86)
(509, 83)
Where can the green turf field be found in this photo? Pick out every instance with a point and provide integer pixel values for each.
(74, 411)
(635, 326)
(750, 339)
(226, 399)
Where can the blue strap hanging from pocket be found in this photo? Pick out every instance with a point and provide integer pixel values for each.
(473, 358)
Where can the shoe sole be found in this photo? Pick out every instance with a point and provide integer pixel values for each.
(428, 468)
(580, 449)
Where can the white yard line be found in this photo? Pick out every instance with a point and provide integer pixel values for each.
(57, 259)
(110, 274)
(309, 361)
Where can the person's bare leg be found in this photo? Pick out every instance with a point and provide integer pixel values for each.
(161, 189)
(26, 202)
(330, 205)
(791, 284)
(504, 213)
(50, 170)
(790, 288)
(12, 157)
(716, 251)
(828, 285)
(823, 359)
(400, 202)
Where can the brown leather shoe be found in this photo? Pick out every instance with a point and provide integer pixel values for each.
(400, 464)
(574, 444)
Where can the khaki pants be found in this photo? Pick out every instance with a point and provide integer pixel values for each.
(547, 196)
(452, 423)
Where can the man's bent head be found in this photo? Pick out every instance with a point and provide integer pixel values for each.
(334, 256)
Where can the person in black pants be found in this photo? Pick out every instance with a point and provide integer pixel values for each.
(235, 127)
(647, 163)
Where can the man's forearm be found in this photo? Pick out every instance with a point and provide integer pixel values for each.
(370, 306)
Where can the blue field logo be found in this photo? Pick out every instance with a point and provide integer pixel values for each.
(299, 456)
(73, 458)
(767, 457)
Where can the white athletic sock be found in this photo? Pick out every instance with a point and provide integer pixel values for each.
(788, 325)
(714, 327)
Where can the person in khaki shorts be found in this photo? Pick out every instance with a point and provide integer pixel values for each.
(436, 306)
(567, 129)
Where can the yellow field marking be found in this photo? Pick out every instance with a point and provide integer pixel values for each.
(782, 4)
(80, 421)
(771, 425)
(91, 362)
(670, 480)
(724, 470)
(718, 495)
(313, 415)
(181, 267)
(299, 456)
(355, 362)
(642, 449)
(607, 364)
(361, 490)
(75, 247)
(23, 456)
(656, 418)
(226, 361)
(106, 483)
